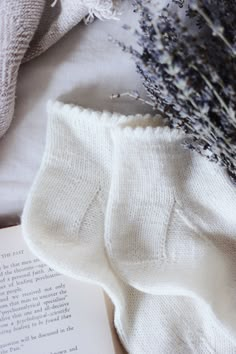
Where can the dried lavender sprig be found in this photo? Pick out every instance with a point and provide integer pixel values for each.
(190, 77)
(217, 31)
(135, 96)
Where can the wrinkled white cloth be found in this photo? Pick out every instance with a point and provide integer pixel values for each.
(28, 28)
(118, 202)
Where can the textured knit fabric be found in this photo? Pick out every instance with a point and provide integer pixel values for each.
(55, 22)
(171, 207)
(18, 23)
(60, 16)
(96, 212)
(178, 215)
(28, 28)
(77, 161)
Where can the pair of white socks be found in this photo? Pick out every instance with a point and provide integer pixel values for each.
(119, 202)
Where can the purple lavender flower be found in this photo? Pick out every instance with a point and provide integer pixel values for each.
(189, 75)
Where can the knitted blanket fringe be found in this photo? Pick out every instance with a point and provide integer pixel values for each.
(104, 10)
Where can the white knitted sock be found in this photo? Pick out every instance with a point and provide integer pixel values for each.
(170, 218)
(63, 224)
(68, 198)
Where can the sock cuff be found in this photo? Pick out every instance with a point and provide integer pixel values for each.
(74, 113)
(160, 139)
(156, 134)
(72, 128)
(133, 132)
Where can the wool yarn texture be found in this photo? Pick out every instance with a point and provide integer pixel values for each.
(28, 28)
(18, 23)
(118, 202)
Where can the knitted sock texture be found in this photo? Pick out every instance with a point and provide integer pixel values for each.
(67, 201)
(64, 224)
(18, 23)
(178, 220)
(168, 324)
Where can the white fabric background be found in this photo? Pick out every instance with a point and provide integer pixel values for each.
(83, 68)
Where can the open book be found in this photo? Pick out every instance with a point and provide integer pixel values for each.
(43, 312)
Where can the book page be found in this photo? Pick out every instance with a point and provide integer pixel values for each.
(43, 312)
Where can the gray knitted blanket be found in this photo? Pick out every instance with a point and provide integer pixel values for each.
(28, 28)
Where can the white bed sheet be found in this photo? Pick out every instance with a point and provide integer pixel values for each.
(83, 68)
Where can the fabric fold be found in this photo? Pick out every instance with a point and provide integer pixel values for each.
(28, 28)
